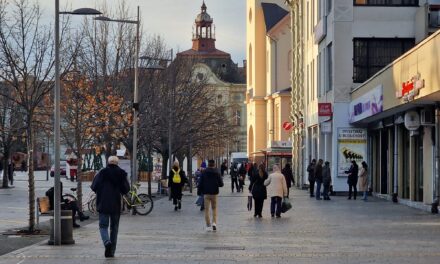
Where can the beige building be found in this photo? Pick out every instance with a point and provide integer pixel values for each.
(268, 77)
(399, 106)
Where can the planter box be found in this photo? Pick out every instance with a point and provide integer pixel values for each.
(144, 176)
(88, 175)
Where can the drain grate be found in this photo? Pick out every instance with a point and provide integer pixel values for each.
(225, 248)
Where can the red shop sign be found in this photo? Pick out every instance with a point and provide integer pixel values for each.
(325, 109)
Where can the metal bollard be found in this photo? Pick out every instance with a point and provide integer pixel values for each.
(66, 228)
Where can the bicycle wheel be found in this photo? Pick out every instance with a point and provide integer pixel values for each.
(69, 197)
(91, 204)
(146, 205)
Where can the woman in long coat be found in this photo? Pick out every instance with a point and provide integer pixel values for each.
(363, 180)
(176, 187)
(276, 189)
(258, 190)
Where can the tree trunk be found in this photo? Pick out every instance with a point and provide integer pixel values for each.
(164, 166)
(79, 193)
(30, 152)
(6, 156)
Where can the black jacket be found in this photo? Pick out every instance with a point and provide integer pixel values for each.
(311, 171)
(210, 182)
(318, 172)
(257, 187)
(353, 174)
(176, 188)
(109, 184)
(287, 172)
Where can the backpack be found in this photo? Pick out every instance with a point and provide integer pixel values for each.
(176, 176)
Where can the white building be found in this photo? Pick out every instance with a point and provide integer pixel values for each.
(337, 45)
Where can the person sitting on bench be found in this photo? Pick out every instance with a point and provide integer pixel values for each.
(66, 205)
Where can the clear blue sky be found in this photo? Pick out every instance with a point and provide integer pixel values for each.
(173, 20)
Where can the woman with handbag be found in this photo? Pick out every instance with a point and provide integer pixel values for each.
(258, 190)
(276, 189)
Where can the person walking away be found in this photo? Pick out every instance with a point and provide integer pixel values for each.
(234, 177)
(258, 190)
(223, 168)
(326, 179)
(176, 181)
(276, 190)
(288, 175)
(352, 179)
(318, 179)
(241, 176)
(210, 183)
(311, 171)
(363, 180)
(109, 184)
(11, 172)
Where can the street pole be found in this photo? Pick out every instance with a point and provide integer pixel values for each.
(57, 191)
(135, 102)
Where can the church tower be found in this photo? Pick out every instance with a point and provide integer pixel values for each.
(204, 36)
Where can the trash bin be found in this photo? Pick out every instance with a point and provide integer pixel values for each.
(66, 228)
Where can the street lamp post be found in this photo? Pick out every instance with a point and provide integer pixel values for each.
(136, 88)
(57, 190)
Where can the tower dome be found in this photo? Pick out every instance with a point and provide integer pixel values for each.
(203, 16)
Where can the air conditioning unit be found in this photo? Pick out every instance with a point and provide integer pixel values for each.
(427, 117)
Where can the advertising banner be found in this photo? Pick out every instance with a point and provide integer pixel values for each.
(352, 145)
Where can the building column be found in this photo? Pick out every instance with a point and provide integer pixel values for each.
(412, 169)
(395, 162)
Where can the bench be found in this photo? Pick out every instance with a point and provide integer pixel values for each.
(42, 208)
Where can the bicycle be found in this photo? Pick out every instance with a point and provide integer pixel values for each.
(140, 203)
(90, 202)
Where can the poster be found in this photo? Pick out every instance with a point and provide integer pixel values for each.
(352, 145)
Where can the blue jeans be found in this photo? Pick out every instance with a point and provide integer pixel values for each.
(275, 205)
(104, 221)
(318, 190)
(365, 195)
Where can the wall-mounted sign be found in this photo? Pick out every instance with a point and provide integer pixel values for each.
(412, 120)
(325, 109)
(369, 104)
(411, 88)
(326, 127)
(281, 144)
(352, 145)
(287, 126)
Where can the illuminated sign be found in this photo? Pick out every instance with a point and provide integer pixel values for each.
(325, 109)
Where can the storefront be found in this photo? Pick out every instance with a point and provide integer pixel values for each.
(398, 107)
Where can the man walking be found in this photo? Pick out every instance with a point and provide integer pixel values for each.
(209, 188)
(318, 179)
(109, 184)
(311, 171)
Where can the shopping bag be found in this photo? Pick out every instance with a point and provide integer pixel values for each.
(285, 205)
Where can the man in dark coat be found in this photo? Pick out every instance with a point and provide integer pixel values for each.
(241, 176)
(234, 177)
(176, 184)
(287, 172)
(210, 182)
(311, 171)
(109, 184)
(352, 179)
(318, 179)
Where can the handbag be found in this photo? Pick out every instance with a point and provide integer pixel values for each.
(285, 205)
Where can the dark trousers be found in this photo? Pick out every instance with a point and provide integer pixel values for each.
(106, 220)
(258, 206)
(234, 181)
(275, 205)
(350, 187)
(312, 188)
(326, 190)
(71, 206)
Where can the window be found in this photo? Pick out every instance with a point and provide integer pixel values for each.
(329, 68)
(307, 21)
(371, 55)
(318, 75)
(237, 118)
(329, 6)
(387, 2)
(313, 79)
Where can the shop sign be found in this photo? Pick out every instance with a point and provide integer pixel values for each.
(281, 144)
(287, 126)
(325, 109)
(352, 145)
(411, 88)
(326, 127)
(367, 105)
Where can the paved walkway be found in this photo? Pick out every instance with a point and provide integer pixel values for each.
(337, 231)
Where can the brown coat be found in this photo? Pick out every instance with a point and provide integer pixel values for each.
(363, 180)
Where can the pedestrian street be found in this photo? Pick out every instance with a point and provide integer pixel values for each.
(336, 231)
